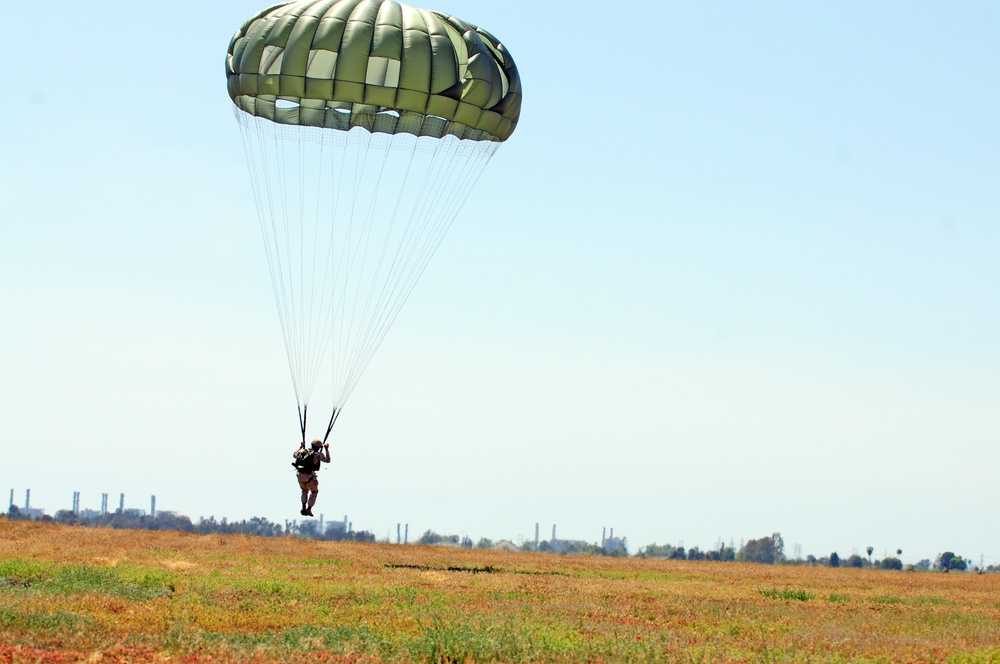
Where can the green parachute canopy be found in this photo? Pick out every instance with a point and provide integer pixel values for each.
(377, 64)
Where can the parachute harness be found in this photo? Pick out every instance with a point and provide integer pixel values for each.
(350, 220)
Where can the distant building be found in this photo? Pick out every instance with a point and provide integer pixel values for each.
(506, 545)
(561, 545)
(613, 544)
(333, 527)
(336, 527)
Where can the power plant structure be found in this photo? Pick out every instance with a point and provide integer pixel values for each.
(26, 511)
(613, 543)
(77, 510)
(609, 542)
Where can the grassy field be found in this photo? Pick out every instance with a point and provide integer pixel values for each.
(96, 595)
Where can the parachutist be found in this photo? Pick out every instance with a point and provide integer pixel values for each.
(307, 464)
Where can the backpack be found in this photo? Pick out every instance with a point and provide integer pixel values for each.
(304, 461)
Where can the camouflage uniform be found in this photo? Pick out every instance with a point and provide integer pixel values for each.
(309, 479)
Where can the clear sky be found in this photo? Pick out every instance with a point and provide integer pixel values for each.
(740, 277)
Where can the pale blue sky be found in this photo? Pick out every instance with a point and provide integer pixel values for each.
(741, 277)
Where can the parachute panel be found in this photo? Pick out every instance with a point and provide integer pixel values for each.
(345, 52)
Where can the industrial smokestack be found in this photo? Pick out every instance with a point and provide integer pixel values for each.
(406, 534)
(152, 506)
(553, 532)
(399, 533)
(11, 500)
(604, 533)
(104, 503)
(536, 535)
(27, 499)
(121, 504)
(612, 533)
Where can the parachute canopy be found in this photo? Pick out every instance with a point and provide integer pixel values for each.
(365, 125)
(346, 63)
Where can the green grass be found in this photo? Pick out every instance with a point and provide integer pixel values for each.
(789, 594)
(59, 621)
(985, 656)
(887, 599)
(127, 582)
(932, 601)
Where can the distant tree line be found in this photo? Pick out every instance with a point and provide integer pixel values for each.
(566, 547)
(768, 550)
(432, 538)
(771, 551)
(256, 526)
(722, 554)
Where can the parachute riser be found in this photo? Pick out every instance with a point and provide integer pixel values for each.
(303, 416)
(329, 427)
(303, 421)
